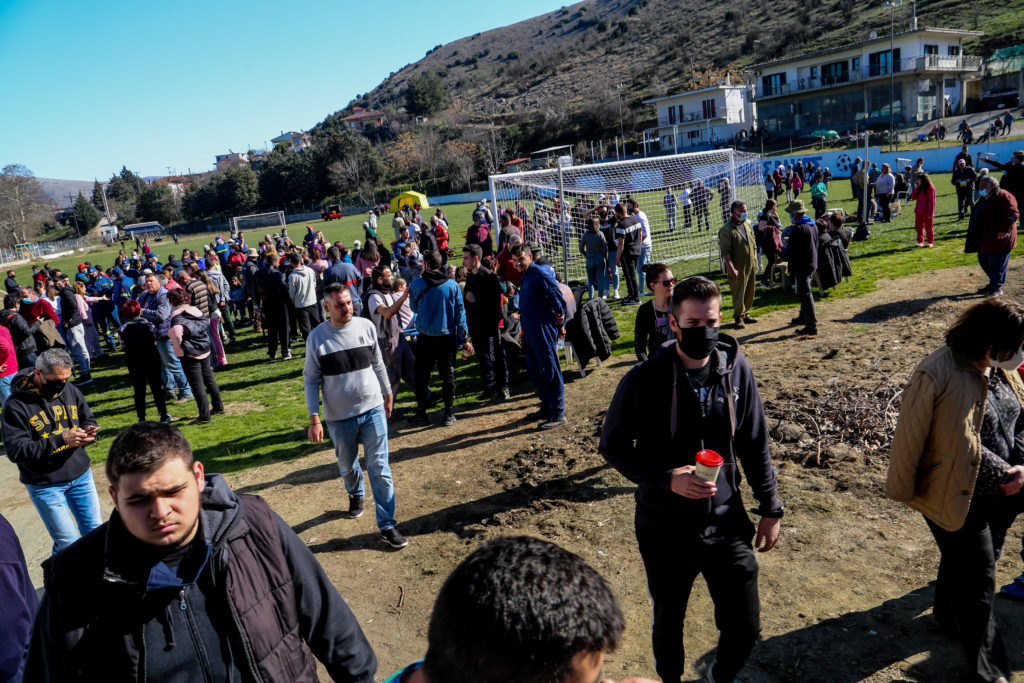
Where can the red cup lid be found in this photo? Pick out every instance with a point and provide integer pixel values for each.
(709, 458)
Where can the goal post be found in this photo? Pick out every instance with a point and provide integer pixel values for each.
(686, 198)
(256, 221)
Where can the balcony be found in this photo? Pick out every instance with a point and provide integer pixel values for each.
(688, 118)
(910, 65)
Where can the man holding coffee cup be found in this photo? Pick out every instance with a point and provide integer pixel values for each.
(677, 427)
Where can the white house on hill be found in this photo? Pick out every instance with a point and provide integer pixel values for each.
(700, 118)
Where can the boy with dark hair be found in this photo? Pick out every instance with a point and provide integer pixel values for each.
(215, 584)
(519, 610)
(678, 426)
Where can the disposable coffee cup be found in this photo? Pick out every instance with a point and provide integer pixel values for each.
(708, 465)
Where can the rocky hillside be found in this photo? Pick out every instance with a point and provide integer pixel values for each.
(568, 62)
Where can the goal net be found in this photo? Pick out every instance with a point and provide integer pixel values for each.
(256, 221)
(686, 198)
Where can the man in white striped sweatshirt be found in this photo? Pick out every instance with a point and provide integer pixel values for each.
(343, 360)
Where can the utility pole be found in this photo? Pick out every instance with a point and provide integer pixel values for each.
(622, 134)
(892, 5)
(73, 216)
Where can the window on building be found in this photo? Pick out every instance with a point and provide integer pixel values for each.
(855, 64)
(772, 84)
(884, 62)
(836, 72)
(681, 119)
(953, 50)
(708, 107)
(694, 134)
(671, 115)
(931, 49)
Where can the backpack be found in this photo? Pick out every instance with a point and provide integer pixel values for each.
(195, 333)
(389, 332)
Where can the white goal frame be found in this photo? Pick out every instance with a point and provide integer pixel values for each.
(279, 215)
(728, 174)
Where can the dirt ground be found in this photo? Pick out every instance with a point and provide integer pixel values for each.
(846, 595)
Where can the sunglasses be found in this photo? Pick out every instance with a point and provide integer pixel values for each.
(668, 282)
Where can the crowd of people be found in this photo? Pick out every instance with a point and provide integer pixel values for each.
(217, 586)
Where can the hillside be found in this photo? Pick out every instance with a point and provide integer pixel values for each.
(563, 65)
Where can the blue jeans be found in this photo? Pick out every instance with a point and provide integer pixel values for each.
(645, 258)
(5, 389)
(171, 372)
(62, 505)
(372, 429)
(613, 277)
(75, 336)
(541, 349)
(994, 265)
(597, 275)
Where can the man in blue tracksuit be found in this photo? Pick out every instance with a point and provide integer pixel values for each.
(542, 313)
(441, 330)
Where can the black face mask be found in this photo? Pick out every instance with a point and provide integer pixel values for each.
(697, 342)
(51, 388)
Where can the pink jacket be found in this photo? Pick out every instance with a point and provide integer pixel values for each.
(8, 354)
(925, 205)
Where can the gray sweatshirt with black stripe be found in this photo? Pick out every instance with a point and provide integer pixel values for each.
(345, 363)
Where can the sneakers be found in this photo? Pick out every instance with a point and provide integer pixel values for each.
(200, 421)
(551, 424)
(1014, 590)
(749, 320)
(449, 418)
(83, 380)
(502, 394)
(615, 294)
(166, 419)
(807, 331)
(797, 321)
(184, 398)
(355, 507)
(420, 418)
(287, 356)
(485, 395)
(393, 538)
(739, 325)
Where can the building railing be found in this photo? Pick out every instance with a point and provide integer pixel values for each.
(688, 117)
(922, 64)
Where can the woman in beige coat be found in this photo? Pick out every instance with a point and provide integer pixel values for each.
(957, 459)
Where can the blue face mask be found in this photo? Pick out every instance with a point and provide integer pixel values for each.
(27, 301)
(743, 216)
(983, 192)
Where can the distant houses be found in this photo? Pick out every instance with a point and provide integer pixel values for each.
(362, 120)
(699, 118)
(295, 140)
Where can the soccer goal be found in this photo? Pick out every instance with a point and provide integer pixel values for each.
(257, 221)
(686, 198)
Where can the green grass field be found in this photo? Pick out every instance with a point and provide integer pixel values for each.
(266, 417)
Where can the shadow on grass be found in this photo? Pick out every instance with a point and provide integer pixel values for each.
(217, 458)
(309, 475)
(583, 486)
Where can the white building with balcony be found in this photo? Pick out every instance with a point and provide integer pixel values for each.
(848, 87)
(701, 118)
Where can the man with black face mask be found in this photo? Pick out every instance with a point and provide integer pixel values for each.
(46, 426)
(678, 426)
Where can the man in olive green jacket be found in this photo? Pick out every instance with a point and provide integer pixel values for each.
(739, 257)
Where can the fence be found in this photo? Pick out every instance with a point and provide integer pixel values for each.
(22, 253)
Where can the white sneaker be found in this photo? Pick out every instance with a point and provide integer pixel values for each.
(616, 294)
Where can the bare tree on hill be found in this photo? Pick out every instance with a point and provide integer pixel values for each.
(24, 206)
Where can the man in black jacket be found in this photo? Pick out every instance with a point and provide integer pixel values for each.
(272, 290)
(483, 315)
(1013, 175)
(963, 179)
(208, 585)
(629, 239)
(22, 334)
(696, 394)
(802, 255)
(73, 328)
(46, 426)
(11, 284)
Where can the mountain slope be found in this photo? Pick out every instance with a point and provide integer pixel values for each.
(568, 62)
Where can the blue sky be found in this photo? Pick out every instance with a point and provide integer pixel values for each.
(91, 86)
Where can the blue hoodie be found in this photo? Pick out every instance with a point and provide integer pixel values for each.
(437, 303)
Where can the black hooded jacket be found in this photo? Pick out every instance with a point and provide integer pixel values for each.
(656, 422)
(248, 602)
(33, 432)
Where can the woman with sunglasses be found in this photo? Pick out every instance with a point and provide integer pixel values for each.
(651, 329)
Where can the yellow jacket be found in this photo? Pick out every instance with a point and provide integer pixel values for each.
(937, 447)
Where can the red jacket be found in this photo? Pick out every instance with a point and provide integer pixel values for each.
(925, 201)
(41, 308)
(997, 216)
(506, 268)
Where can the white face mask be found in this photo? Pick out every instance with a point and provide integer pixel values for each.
(1011, 363)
